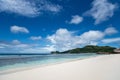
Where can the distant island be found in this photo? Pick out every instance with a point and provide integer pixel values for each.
(89, 49)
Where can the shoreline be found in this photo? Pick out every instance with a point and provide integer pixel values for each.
(9, 71)
(104, 67)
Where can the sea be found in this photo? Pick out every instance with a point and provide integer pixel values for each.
(14, 61)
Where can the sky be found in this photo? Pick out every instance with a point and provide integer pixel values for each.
(42, 26)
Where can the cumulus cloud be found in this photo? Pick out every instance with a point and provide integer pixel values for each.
(101, 10)
(111, 40)
(35, 37)
(93, 35)
(110, 30)
(64, 39)
(61, 39)
(28, 8)
(76, 19)
(17, 29)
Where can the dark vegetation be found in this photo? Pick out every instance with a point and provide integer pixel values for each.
(89, 49)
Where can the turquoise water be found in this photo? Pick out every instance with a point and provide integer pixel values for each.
(20, 61)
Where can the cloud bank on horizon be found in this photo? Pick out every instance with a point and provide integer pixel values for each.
(38, 32)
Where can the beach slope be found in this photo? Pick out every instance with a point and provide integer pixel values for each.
(105, 67)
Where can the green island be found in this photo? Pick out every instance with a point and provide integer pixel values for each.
(89, 49)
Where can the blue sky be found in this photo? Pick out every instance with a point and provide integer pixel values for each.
(42, 26)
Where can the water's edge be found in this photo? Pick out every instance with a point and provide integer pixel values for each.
(38, 66)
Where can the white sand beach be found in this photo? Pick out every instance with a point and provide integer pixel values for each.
(105, 67)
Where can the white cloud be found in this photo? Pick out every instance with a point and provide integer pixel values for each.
(21, 7)
(42, 50)
(111, 40)
(60, 35)
(51, 7)
(37, 49)
(3, 45)
(35, 37)
(17, 29)
(13, 46)
(17, 46)
(61, 40)
(16, 42)
(64, 39)
(102, 10)
(29, 8)
(92, 35)
(110, 30)
(22, 46)
(49, 48)
(31, 50)
(76, 19)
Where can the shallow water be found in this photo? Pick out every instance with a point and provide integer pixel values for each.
(18, 61)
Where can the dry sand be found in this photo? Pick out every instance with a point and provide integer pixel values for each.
(105, 67)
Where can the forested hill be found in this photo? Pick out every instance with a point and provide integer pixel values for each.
(89, 49)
